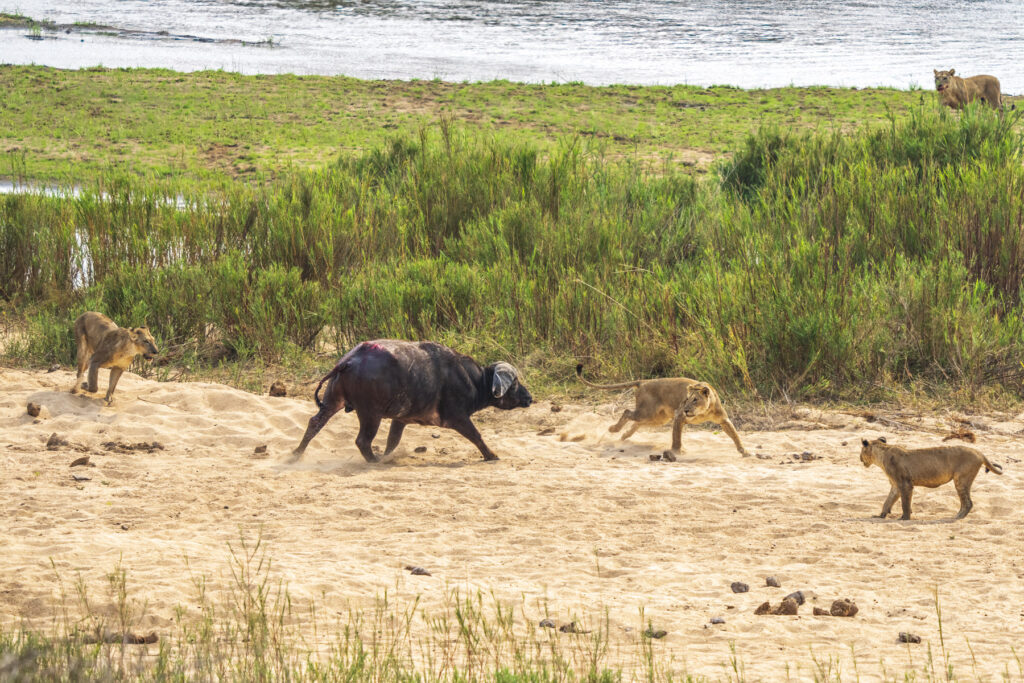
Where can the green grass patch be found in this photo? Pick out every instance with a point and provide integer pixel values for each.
(73, 126)
(815, 264)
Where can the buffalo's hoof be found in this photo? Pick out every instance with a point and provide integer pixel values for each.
(669, 456)
(490, 458)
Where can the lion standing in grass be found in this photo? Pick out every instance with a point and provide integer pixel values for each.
(957, 93)
(929, 467)
(102, 344)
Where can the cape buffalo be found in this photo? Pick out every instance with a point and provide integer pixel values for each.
(413, 382)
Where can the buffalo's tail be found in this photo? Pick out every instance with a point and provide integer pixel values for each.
(340, 367)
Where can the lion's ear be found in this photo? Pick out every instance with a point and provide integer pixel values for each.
(864, 442)
(882, 439)
(952, 71)
(935, 71)
(705, 391)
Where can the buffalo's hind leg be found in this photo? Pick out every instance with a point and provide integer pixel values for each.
(368, 426)
(316, 423)
(394, 436)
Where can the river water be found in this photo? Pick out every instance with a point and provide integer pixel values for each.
(748, 43)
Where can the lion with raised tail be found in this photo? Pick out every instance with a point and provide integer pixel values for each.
(931, 467)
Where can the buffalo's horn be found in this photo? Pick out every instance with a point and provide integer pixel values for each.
(504, 377)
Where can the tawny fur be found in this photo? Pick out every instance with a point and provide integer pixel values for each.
(678, 400)
(102, 344)
(930, 467)
(957, 93)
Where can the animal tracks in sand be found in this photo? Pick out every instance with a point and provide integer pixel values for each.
(585, 527)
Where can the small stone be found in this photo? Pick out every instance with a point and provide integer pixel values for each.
(657, 635)
(54, 368)
(436, 435)
(33, 409)
(555, 408)
(55, 442)
(655, 457)
(80, 477)
(807, 456)
(739, 587)
(420, 449)
(124, 527)
(764, 608)
(278, 388)
(909, 637)
(547, 623)
(260, 449)
(843, 444)
(546, 432)
(773, 582)
(796, 456)
(417, 571)
(717, 620)
(819, 612)
(798, 596)
(78, 462)
(843, 608)
(787, 607)
(571, 627)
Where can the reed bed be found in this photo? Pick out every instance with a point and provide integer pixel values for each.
(819, 264)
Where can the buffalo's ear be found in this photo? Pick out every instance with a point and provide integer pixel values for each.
(504, 378)
(864, 442)
(882, 439)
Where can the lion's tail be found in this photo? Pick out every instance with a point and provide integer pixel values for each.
(991, 466)
(340, 367)
(620, 385)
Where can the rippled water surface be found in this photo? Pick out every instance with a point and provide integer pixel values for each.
(740, 42)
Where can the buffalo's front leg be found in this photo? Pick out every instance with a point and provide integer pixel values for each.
(468, 430)
(368, 426)
(316, 423)
(394, 436)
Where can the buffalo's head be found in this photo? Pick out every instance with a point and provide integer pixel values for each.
(506, 391)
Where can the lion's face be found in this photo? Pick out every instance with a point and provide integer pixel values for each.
(699, 400)
(145, 342)
(867, 451)
(943, 79)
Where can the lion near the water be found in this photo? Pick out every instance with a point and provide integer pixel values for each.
(957, 93)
